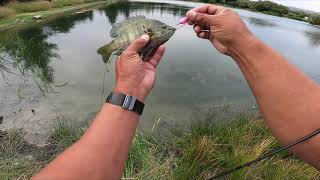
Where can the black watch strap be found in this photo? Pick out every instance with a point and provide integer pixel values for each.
(130, 103)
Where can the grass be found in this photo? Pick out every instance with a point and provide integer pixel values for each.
(62, 3)
(30, 6)
(24, 14)
(209, 146)
(6, 12)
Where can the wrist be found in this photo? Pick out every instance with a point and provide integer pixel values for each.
(132, 91)
(243, 47)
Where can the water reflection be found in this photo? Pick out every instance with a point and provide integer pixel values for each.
(313, 37)
(65, 24)
(261, 22)
(28, 50)
(126, 8)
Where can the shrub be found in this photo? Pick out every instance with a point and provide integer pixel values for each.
(61, 3)
(268, 6)
(31, 6)
(315, 19)
(6, 12)
(242, 3)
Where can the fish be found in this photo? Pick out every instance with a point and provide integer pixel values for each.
(123, 33)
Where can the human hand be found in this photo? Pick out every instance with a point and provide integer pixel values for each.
(222, 26)
(134, 76)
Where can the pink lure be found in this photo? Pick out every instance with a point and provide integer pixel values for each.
(183, 20)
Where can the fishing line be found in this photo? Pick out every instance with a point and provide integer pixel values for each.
(266, 155)
(180, 26)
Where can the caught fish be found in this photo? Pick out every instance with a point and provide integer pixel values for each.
(130, 29)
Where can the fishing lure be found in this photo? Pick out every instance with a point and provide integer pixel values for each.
(182, 22)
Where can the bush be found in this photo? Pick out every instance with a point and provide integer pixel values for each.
(268, 6)
(6, 12)
(242, 3)
(31, 6)
(61, 3)
(315, 19)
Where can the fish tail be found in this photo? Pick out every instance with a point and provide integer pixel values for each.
(106, 51)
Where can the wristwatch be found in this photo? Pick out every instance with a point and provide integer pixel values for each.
(127, 102)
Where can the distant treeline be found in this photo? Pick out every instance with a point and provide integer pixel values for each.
(269, 7)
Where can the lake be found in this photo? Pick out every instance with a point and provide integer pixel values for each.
(51, 71)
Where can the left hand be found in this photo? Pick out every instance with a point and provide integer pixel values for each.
(134, 76)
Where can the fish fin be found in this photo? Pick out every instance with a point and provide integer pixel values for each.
(106, 51)
(116, 28)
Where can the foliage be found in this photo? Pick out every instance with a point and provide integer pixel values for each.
(6, 12)
(315, 19)
(268, 6)
(242, 3)
(62, 3)
(30, 6)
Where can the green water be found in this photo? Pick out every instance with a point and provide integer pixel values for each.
(53, 68)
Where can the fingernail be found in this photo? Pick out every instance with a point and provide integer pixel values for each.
(146, 37)
(191, 14)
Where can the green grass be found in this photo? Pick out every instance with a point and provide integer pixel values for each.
(210, 145)
(6, 12)
(30, 6)
(62, 3)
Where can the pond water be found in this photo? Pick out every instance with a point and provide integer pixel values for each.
(52, 71)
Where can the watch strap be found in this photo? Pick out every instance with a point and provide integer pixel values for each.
(130, 103)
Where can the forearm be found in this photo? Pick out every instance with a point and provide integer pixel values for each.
(288, 99)
(101, 153)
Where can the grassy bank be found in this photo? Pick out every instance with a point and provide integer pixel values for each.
(268, 7)
(14, 14)
(208, 146)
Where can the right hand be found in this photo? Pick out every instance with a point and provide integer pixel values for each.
(227, 31)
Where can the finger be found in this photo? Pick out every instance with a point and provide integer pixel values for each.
(138, 44)
(197, 28)
(194, 16)
(203, 35)
(190, 22)
(201, 19)
(210, 9)
(156, 58)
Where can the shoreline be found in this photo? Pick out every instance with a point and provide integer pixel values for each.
(26, 19)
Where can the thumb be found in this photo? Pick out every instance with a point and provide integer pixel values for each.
(202, 19)
(139, 43)
(194, 16)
